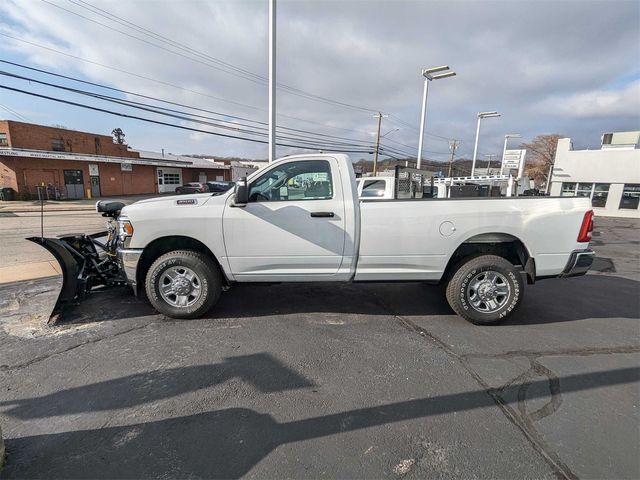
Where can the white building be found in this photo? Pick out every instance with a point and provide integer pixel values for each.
(609, 176)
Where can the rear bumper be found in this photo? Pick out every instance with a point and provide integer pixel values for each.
(579, 263)
(128, 259)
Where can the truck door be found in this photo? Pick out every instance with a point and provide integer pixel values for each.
(293, 226)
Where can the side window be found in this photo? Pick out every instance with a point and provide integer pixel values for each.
(303, 180)
(373, 188)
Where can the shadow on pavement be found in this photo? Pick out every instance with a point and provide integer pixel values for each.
(261, 370)
(548, 301)
(591, 296)
(228, 443)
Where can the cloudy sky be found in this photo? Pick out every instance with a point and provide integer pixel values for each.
(568, 67)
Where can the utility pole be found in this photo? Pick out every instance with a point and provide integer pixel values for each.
(272, 80)
(453, 145)
(375, 153)
(490, 157)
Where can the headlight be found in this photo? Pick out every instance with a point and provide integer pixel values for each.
(125, 229)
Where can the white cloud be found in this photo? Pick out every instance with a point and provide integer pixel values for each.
(624, 102)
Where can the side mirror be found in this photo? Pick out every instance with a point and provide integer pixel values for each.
(241, 191)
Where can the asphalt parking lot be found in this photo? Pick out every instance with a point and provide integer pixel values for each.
(325, 381)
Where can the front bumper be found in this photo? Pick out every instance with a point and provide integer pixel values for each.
(579, 263)
(128, 259)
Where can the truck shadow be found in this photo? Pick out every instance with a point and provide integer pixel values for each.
(548, 301)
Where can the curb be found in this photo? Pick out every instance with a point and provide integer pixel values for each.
(34, 210)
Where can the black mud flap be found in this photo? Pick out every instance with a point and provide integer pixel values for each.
(70, 272)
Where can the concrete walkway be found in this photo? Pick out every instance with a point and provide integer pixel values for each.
(65, 205)
(29, 271)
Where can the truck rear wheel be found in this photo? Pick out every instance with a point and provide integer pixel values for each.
(183, 284)
(485, 290)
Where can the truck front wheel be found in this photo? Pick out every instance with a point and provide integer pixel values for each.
(485, 289)
(183, 284)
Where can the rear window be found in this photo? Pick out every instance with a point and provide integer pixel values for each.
(373, 188)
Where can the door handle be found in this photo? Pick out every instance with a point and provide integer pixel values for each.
(322, 214)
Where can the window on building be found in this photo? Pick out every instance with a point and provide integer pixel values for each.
(568, 189)
(630, 196)
(3, 140)
(600, 194)
(597, 192)
(171, 178)
(57, 145)
(584, 190)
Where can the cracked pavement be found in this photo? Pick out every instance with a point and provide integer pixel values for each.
(356, 380)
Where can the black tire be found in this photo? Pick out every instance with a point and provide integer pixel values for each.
(195, 265)
(480, 272)
(178, 190)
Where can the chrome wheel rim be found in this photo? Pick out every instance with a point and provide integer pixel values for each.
(180, 287)
(488, 291)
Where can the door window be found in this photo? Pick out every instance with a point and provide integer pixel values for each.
(304, 180)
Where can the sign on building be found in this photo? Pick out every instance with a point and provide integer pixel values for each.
(126, 167)
(93, 170)
(512, 159)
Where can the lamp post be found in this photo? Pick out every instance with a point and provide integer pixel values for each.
(481, 115)
(272, 80)
(504, 150)
(427, 73)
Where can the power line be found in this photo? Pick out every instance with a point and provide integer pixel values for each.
(236, 71)
(13, 112)
(303, 135)
(182, 127)
(161, 82)
(128, 92)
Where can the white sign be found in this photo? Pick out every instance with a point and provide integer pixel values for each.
(126, 167)
(93, 170)
(512, 159)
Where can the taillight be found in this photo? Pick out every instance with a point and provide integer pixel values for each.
(586, 228)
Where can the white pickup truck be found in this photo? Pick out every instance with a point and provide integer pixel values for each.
(300, 220)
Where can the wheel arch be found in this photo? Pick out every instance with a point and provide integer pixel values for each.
(502, 244)
(166, 244)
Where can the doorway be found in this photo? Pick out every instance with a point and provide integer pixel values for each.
(95, 186)
(74, 184)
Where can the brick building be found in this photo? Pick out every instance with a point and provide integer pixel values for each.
(79, 164)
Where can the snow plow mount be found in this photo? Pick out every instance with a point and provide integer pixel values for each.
(86, 261)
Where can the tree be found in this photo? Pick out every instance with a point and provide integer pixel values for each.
(541, 154)
(118, 136)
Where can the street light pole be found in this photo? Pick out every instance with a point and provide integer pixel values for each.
(481, 115)
(427, 73)
(272, 80)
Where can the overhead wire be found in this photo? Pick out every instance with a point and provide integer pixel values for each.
(183, 127)
(182, 115)
(168, 84)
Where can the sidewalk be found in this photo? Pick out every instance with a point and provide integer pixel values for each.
(29, 271)
(65, 205)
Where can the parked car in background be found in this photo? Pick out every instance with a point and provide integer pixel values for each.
(193, 187)
(220, 187)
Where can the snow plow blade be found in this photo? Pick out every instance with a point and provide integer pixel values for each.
(85, 263)
(69, 267)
